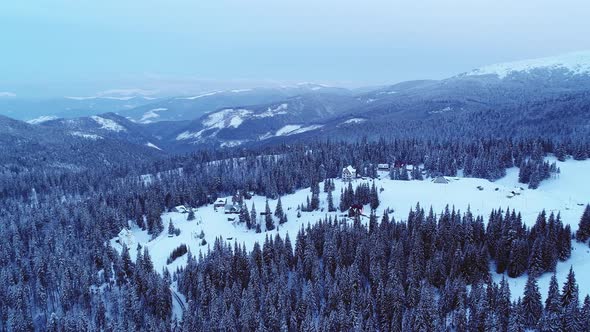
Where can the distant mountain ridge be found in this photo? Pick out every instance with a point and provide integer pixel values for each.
(575, 63)
(555, 89)
(192, 107)
(55, 146)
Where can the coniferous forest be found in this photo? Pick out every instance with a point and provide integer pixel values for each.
(429, 272)
(287, 166)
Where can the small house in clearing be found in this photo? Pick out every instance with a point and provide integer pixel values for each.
(383, 167)
(220, 202)
(232, 208)
(440, 179)
(180, 209)
(348, 173)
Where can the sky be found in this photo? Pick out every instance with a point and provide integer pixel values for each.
(82, 47)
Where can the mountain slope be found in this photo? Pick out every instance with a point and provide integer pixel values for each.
(44, 147)
(241, 125)
(527, 94)
(576, 63)
(68, 107)
(108, 125)
(548, 96)
(193, 107)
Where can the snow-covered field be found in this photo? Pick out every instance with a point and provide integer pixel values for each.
(567, 194)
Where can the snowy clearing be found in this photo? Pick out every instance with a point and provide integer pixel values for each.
(295, 129)
(151, 145)
(42, 119)
(87, 136)
(108, 124)
(567, 195)
(151, 114)
(201, 95)
(354, 120)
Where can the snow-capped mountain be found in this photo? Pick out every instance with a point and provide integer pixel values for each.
(576, 63)
(239, 125)
(55, 145)
(554, 89)
(108, 125)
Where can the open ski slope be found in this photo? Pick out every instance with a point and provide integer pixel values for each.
(567, 194)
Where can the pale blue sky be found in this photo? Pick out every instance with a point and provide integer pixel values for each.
(73, 47)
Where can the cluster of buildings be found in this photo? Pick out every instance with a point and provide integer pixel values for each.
(350, 173)
(228, 207)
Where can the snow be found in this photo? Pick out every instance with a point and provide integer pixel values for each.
(188, 135)
(354, 120)
(178, 301)
(225, 118)
(151, 114)
(287, 129)
(108, 124)
(281, 109)
(312, 86)
(151, 145)
(42, 119)
(118, 94)
(93, 137)
(295, 129)
(201, 95)
(387, 93)
(578, 63)
(240, 90)
(566, 194)
(232, 143)
(444, 110)
(119, 98)
(266, 136)
(81, 98)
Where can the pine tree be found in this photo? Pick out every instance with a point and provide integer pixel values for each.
(330, 199)
(253, 217)
(269, 223)
(344, 205)
(171, 229)
(583, 232)
(536, 262)
(569, 292)
(283, 219)
(279, 209)
(315, 196)
(550, 321)
(127, 264)
(553, 301)
(191, 215)
(535, 179)
(524, 173)
(374, 197)
(517, 319)
(245, 215)
(560, 152)
(531, 302)
(425, 315)
(585, 314)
